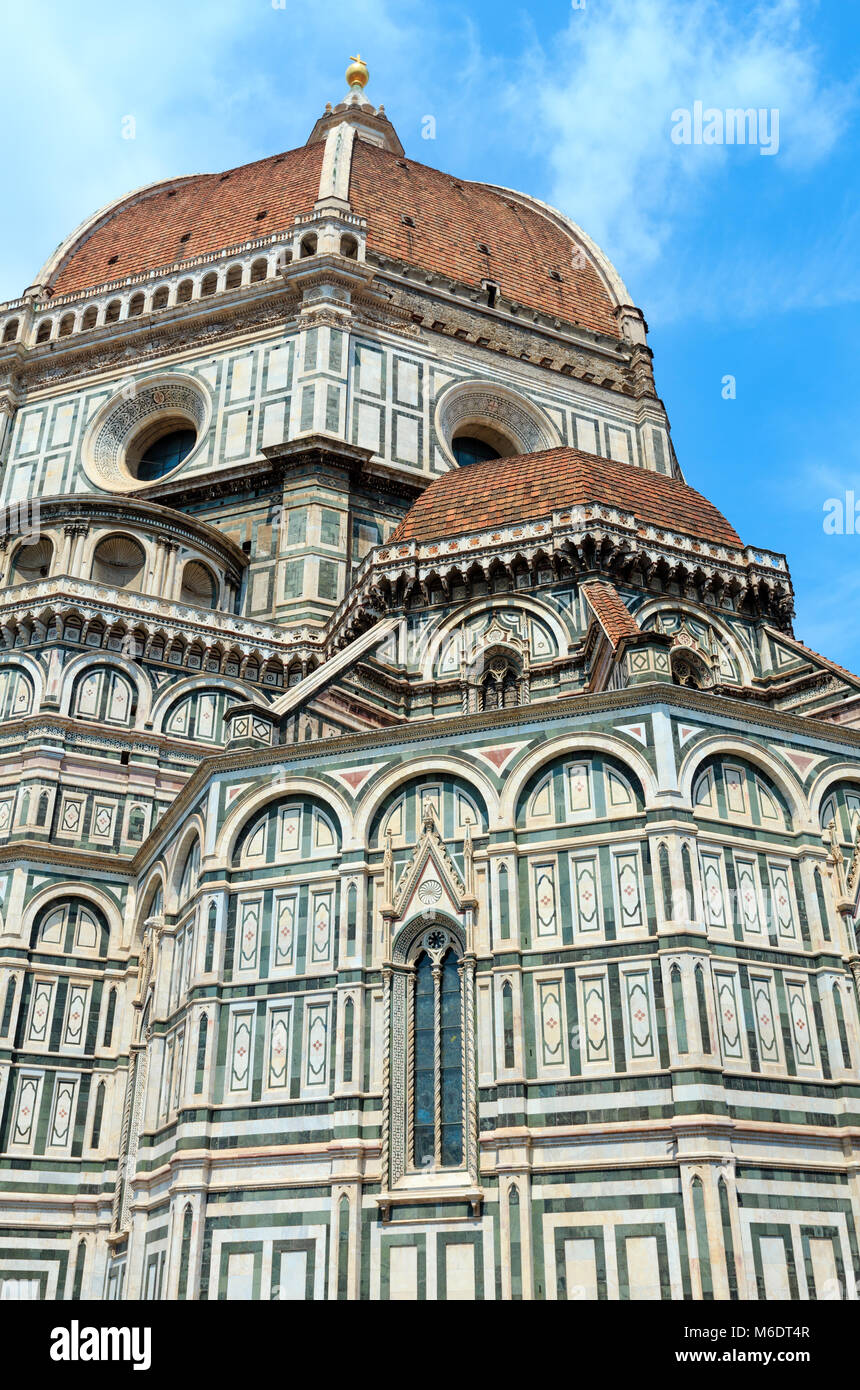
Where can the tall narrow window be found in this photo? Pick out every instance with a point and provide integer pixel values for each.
(425, 1065)
(702, 1239)
(702, 1002)
(200, 1065)
(451, 1048)
(98, 1113)
(728, 1239)
(110, 1014)
(348, 1038)
(504, 903)
(185, 1254)
(516, 1242)
(438, 1086)
(343, 1247)
(822, 904)
(843, 1031)
(508, 1023)
(678, 1004)
(431, 1087)
(210, 938)
(351, 918)
(8, 1004)
(687, 866)
(80, 1262)
(666, 884)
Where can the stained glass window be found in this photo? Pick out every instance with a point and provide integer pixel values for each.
(165, 454)
(468, 450)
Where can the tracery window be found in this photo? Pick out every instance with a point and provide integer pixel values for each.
(500, 687)
(437, 1103)
(432, 1089)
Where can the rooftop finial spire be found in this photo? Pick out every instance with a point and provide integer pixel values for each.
(356, 74)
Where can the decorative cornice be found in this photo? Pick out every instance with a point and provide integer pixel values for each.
(593, 538)
(439, 731)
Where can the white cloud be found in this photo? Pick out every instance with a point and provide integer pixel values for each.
(605, 92)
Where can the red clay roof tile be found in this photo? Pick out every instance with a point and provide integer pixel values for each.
(530, 486)
(610, 611)
(451, 217)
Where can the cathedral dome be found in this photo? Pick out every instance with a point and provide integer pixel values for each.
(472, 234)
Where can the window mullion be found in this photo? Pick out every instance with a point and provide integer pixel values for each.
(437, 1064)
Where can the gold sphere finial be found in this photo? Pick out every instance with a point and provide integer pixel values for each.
(357, 74)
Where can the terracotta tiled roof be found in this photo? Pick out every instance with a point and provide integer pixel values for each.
(530, 486)
(610, 611)
(452, 217)
(217, 209)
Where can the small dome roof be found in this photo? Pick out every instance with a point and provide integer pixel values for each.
(531, 486)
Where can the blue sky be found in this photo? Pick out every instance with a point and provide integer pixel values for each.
(745, 264)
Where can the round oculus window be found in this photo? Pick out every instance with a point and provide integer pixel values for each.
(144, 435)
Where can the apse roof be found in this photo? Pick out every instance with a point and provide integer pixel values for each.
(529, 486)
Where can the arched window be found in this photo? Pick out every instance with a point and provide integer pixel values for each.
(234, 278)
(504, 903)
(185, 291)
(69, 927)
(200, 1063)
(348, 1039)
(259, 271)
(190, 870)
(728, 1238)
(112, 311)
(666, 884)
(508, 1024)
(702, 1245)
(208, 285)
(678, 1007)
(351, 918)
(10, 332)
(67, 325)
(16, 693)
(437, 1063)
(211, 925)
(349, 247)
(91, 316)
(690, 670)
(44, 333)
(161, 297)
(136, 305)
(500, 684)
(103, 693)
(308, 245)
